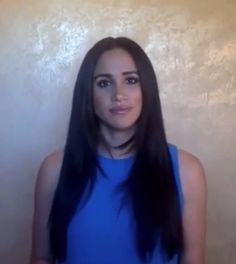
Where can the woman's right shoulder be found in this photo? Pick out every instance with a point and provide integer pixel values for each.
(49, 171)
(53, 161)
(46, 183)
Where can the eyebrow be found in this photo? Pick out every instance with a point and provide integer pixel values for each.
(108, 75)
(130, 72)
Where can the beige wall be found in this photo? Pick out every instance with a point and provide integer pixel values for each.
(192, 44)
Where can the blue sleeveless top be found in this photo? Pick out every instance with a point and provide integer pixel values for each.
(101, 232)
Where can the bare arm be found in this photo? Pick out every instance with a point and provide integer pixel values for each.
(44, 191)
(194, 215)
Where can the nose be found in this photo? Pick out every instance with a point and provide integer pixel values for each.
(119, 93)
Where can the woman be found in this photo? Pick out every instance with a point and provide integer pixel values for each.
(118, 192)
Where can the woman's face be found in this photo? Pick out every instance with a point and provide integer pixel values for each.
(117, 94)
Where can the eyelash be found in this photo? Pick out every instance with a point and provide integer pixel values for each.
(101, 83)
(129, 80)
(133, 80)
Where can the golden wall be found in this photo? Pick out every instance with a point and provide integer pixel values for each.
(192, 44)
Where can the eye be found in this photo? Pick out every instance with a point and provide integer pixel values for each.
(132, 80)
(103, 83)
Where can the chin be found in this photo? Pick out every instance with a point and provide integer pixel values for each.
(122, 127)
(122, 124)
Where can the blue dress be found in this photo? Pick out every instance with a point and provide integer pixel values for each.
(101, 233)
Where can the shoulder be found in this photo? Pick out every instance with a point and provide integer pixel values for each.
(45, 187)
(53, 160)
(194, 188)
(191, 172)
(49, 171)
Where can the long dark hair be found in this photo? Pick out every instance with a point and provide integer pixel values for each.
(150, 185)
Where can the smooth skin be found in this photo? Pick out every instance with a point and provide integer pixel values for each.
(116, 83)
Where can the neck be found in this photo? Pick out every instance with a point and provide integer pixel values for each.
(112, 139)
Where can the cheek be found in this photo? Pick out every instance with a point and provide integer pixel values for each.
(100, 102)
(138, 99)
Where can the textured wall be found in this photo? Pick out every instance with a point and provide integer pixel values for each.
(192, 44)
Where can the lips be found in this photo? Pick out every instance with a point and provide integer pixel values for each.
(120, 109)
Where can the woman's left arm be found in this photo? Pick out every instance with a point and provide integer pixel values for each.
(194, 214)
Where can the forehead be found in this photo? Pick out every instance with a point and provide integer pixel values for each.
(114, 60)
